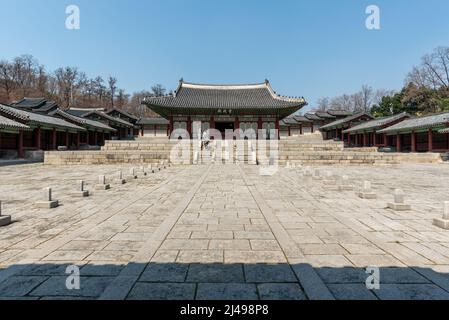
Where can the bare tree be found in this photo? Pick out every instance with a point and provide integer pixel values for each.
(66, 80)
(158, 90)
(434, 70)
(323, 104)
(112, 88)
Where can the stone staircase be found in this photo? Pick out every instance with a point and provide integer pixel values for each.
(304, 150)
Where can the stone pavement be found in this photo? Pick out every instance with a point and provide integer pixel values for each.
(223, 232)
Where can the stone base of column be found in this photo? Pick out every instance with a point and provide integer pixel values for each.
(120, 181)
(369, 195)
(80, 194)
(47, 204)
(441, 223)
(399, 206)
(100, 187)
(5, 220)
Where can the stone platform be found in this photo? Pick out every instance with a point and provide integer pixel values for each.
(223, 232)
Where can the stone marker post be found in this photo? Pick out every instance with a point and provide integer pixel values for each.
(80, 192)
(4, 220)
(119, 179)
(444, 222)
(399, 203)
(366, 192)
(345, 185)
(48, 202)
(102, 185)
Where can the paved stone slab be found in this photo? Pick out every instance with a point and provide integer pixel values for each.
(162, 291)
(215, 273)
(226, 291)
(164, 272)
(269, 273)
(280, 291)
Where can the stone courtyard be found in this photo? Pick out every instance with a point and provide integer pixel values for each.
(224, 232)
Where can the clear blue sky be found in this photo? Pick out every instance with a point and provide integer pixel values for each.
(305, 48)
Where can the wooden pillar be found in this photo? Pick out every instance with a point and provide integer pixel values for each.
(385, 139)
(300, 128)
(0, 140)
(374, 139)
(364, 139)
(37, 143)
(67, 139)
(311, 127)
(336, 133)
(170, 125)
(430, 140)
(413, 141)
(342, 135)
(212, 123)
(87, 137)
(53, 140)
(189, 126)
(398, 142)
(289, 131)
(356, 139)
(349, 139)
(20, 152)
(95, 138)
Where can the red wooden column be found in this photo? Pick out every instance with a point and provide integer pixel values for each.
(53, 140)
(311, 127)
(398, 142)
(374, 139)
(413, 141)
(349, 139)
(289, 131)
(259, 126)
(356, 140)
(189, 127)
(170, 125)
(37, 143)
(430, 140)
(385, 139)
(364, 139)
(336, 133)
(300, 128)
(342, 135)
(20, 152)
(87, 137)
(78, 140)
(95, 138)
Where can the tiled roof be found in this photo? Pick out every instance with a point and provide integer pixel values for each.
(324, 115)
(302, 119)
(340, 113)
(343, 121)
(35, 104)
(153, 121)
(377, 123)
(6, 123)
(426, 122)
(126, 114)
(203, 96)
(31, 117)
(313, 117)
(83, 121)
(85, 112)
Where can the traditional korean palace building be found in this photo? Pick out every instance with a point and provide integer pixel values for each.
(222, 107)
(400, 132)
(34, 124)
